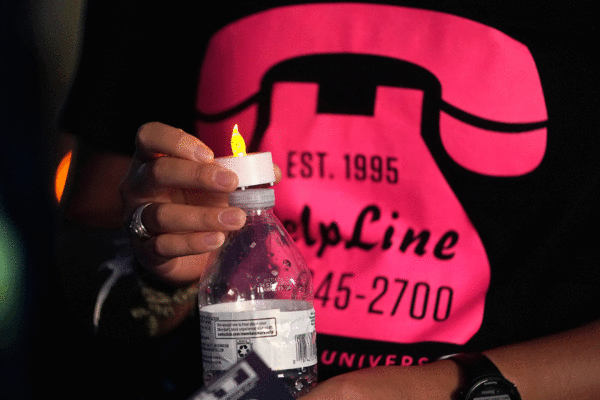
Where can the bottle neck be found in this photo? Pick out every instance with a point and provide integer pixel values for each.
(257, 212)
(253, 200)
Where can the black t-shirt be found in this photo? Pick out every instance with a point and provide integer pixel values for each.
(526, 207)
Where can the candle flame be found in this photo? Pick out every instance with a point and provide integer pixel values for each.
(238, 145)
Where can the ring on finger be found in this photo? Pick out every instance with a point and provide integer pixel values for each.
(136, 227)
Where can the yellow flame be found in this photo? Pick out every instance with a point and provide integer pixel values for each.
(238, 145)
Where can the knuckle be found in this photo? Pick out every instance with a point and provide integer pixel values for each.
(198, 173)
(195, 217)
(200, 219)
(190, 174)
(191, 245)
(209, 219)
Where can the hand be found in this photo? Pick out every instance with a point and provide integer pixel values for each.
(189, 214)
(439, 380)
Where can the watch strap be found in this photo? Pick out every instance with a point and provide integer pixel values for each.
(476, 366)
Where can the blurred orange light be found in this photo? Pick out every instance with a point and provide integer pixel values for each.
(60, 178)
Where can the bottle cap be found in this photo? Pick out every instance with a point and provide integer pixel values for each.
(252, 198)
(252, 169)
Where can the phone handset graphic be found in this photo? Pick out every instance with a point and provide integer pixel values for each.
(348, 83)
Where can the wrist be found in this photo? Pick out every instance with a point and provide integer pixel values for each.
(132, 305)
(444, 379)
(164, 306)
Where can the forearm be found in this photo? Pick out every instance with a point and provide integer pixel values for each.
(563, 366)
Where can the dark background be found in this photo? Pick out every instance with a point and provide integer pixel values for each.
(42, 349)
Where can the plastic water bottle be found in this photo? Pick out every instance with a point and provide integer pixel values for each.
(259, 297)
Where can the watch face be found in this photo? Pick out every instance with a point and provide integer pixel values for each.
(493, 397)
(493, 389)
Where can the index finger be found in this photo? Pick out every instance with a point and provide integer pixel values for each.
(155, 139)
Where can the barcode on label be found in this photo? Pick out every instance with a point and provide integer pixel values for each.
(306, 348)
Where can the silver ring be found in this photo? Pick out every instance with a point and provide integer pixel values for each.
(136, 227)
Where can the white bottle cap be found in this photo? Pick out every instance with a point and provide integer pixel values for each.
(252, 198)
(252, 169)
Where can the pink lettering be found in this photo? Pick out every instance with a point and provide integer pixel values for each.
(360, 361)
(354, 360)
(348, 359)
(373, 361)
(324, 359)
(407, 360)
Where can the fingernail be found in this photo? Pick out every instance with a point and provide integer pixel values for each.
(213, 239)
(225, 178)
(232, 217)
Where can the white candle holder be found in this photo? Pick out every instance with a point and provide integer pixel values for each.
(252, 169)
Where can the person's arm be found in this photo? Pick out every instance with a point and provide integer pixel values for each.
(564, 366)
(127, 286)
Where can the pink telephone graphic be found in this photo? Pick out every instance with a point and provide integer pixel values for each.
(376, 184)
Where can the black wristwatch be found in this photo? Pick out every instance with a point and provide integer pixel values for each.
(483, 380)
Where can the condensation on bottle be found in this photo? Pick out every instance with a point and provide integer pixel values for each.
(259, 298)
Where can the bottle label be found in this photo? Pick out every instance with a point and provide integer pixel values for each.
(281, 332)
